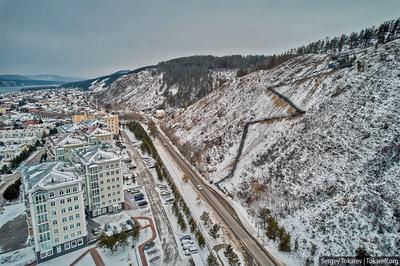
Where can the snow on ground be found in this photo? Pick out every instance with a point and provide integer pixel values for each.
(10, 212)
(122, 256)
(17, 257)
(330, 176)
(66, 259)
(87, 260)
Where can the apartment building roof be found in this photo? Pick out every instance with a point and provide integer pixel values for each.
(48, 175)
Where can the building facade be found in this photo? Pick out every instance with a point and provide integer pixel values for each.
(54, 201)
(101, 167)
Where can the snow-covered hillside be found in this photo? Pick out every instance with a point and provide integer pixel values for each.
(146, 90)
(332, 175)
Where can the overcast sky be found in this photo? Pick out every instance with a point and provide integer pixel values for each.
(90, 38)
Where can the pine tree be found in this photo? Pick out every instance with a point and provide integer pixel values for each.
(205, 217)
(214, 231)
(231, 256)
(135, 231)
(212, 260)
(264, 214)
(284, 244)
(200, 239)
(296, 245)
(272, 228)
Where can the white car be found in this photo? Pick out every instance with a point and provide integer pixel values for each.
(199, 187)
(191, 250)
(165, 193)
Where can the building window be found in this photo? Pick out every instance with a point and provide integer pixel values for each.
(63, 210)
(56, 240)
(70, 209)
(69, 200)
(80, 241)
(72, 235)
(71, 217)
(77, 216)
(52, 204)
(68, 190)
(66, 246)
(76, 198)
(65, 228)
(79, 233)
(54, 213)
(54, 222)
(78, 224)
(66, 237)
(51, 195)
(76, 207)
(55, 231)
(62, 201)
(71, 226)
(58, 249)
(64, 219)
(75, 189)
(61, 192)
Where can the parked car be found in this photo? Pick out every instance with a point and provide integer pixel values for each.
(96, 231)
(186, 246)
(123, 226)
(191, 250)
(149, 245)
(186, 241)
(156, 258)
(186, 237)
(199, 187)
(142, 203)
(165, 193)
(129, 222)
(153, 251)
(139, 196)
(170, 200)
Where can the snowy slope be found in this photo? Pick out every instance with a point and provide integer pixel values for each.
(146, 89)
(331, 176)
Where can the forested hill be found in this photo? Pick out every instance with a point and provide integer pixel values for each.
(180, 82)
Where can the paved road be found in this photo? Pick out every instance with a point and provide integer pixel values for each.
(164, 228)
(255, 253)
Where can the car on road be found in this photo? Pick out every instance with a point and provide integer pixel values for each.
(199, 187)
(149, 245)
(162, 186)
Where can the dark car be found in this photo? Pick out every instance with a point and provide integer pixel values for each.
(186, 237)
(149, 245)
(142, 203)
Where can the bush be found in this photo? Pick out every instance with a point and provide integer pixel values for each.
(12, 191)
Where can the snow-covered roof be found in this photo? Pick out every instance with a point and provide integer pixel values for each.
(48, 175)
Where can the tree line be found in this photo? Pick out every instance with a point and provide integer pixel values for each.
(367, 37)
(179, 207)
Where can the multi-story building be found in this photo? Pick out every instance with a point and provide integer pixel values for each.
(101, 167)
(54, 199)
(112, 120)
(9, 152)
(64, 148)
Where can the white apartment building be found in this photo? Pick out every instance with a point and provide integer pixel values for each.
(63, 150)
(54, 199)
(101, 168)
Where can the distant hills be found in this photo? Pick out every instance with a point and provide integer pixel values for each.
(34, 80)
